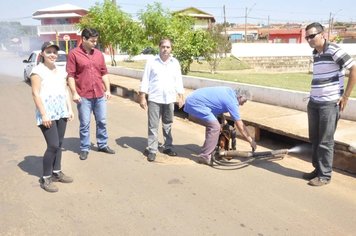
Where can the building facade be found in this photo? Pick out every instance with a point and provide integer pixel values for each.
(58, 24)
(202, 20)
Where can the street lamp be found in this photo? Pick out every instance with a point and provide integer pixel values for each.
(247, 11)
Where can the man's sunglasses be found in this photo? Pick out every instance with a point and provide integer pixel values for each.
(311, 36)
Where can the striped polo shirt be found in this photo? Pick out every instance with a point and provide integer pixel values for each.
(329, 72)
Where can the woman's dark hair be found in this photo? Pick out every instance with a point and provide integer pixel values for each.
(315, 25)
(89, 32)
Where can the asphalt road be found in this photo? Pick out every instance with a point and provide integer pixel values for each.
(123, 194)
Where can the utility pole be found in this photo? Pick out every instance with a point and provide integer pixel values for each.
(57, 38)
(247, 11)
(225, 27)
(246, 25)
(269, 28)
(329, 29)
(331, 22)
(224, 20)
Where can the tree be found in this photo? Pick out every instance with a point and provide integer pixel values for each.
(156, 23)
(186, 47)
(117, 28)
(114, 26)
(132, 41)
(219, 47)
(188, 43)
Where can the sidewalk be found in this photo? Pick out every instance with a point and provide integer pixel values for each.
(280, 120)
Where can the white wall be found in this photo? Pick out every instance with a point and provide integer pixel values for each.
(279, 49)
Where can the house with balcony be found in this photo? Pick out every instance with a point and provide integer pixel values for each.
(202, 20)
(58, 24)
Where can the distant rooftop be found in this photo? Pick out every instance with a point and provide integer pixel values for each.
(59, 8)
(56, 15)
(195, 12)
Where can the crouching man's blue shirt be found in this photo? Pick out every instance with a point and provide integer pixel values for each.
(207, 103)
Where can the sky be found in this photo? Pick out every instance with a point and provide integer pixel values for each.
(258, 11)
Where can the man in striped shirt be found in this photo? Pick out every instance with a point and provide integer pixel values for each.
(327, 99)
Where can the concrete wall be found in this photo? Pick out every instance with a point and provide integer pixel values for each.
(279, 49)
(280, 63)
(133, 73)
(278, 97)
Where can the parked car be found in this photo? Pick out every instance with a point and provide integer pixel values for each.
(148, 50)
(35, 58)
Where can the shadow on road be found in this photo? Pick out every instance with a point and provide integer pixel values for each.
(71, 144)
(32, 165)
(139, 144)
(304, 151)
(274, 166)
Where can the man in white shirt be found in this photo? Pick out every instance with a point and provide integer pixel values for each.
(161, 83)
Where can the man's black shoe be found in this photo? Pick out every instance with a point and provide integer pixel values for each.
(151, 156)
(83, 155)
(145, 152)
(311, 175)
(170, 152)
(106, 150)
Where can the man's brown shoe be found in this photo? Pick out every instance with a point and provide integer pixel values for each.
(317, 181)
(48, 185)
(107, 150)
(61, 177)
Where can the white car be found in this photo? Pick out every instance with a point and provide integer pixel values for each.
(35, 58)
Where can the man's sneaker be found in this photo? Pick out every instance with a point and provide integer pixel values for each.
(151, 156)
(202, 160)
(83, 155)
(317, 181)
(107, 150)
(61, 177)
(48, 185)
(311, 175)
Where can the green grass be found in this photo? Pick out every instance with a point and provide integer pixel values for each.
(132, 64)
(292, 81)
(232, 69)
(226, 64)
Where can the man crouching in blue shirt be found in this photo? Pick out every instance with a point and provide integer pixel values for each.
(205, 104)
